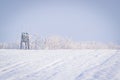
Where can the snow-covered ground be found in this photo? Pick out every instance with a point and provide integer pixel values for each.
(59, 64)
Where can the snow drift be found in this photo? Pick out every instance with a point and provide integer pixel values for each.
(86, 64)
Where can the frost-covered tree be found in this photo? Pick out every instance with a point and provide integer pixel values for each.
(56, 42)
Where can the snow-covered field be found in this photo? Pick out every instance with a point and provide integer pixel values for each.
(59, 64)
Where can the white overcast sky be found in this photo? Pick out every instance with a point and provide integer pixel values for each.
(81, 20)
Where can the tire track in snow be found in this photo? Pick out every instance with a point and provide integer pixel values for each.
(11, 70)
(82, 74)
(42, 73)
(10, 67)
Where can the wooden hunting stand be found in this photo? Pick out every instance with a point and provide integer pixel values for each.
(24, 44)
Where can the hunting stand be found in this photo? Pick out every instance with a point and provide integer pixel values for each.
(24, 44)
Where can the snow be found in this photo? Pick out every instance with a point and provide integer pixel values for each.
(102, 64)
